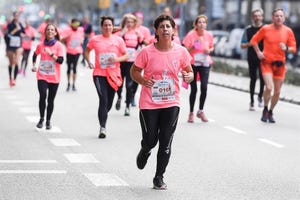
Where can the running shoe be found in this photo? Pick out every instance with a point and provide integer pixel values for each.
(142, 157)
(270, 117)
(74, 88)
(118, 104)
(40, 124)
(68, 87)
(251, 107)
(13, 82)
(127, 112)
(48, 125)
(10, 82)
(201, 115)
(158, 183)
(191, 118)
(260, 102)
(133, 104)
(102, 133)
(265, 115)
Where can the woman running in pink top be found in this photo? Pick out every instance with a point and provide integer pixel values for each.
(48, 72)
(110, 50)
(199, 43)
(73, 37)
(156, 68)
(133, 39)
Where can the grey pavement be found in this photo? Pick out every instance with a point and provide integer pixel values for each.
(289, 93)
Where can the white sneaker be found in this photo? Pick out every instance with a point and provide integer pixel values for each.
(260, 102)
(251, 107)
(102, 133)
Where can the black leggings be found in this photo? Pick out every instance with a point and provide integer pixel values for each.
(72, 61)
(24, 61)
(52, 89)
(106, 96)
(125, 72)
(204, 75)
(254, 67)
(159, 125)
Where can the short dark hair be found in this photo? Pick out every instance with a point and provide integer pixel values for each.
(103, 18)
(277, 9)
(162, 18)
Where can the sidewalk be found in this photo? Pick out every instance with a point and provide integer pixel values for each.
(289, 93)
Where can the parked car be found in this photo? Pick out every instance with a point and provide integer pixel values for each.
(233, 46)
(218, 35)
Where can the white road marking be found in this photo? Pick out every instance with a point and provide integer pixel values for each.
(81, 158)
(32, 119)
(54, 129)
(211, 120)
(235, 130)
(11, 97)
(19, 103)
(275, 144)
(64, 142)
(28, 109)
(28, 161)
(33, 172)
(105, 179)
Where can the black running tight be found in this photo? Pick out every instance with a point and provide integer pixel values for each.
(106, 96)
(159, 125)
(72, 61)
(204, 74)
(43, 86)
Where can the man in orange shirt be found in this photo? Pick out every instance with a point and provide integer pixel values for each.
(278, 39)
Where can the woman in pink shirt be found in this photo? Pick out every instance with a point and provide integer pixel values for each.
(199, 43)
(156, 68)
(110, 50)
(133, 39)
(48, 71)
(27, 40)
(73, 37)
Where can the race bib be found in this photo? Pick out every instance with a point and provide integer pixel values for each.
(15, 41)
(104, 60)
(201, 59)
(47, 67)
(74, 43)
(163, 90)
(131, 53)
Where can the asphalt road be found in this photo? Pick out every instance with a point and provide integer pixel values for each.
(232, 157)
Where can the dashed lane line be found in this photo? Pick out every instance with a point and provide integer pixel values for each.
(105, 179)
(233, 129)
(64, 142)
(270, 142)
(27, 161)
(81, 158)
(28, 109)
(33, 172)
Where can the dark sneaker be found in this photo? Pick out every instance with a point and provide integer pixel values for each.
(48, 125)
(118, 104)
(127, 112)
(265, 116)
(74, 88)
(40, 124)
(142, 157)
(68, 87)
(133, 104)
(102, 133)
(270, 117)
(158, 183)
